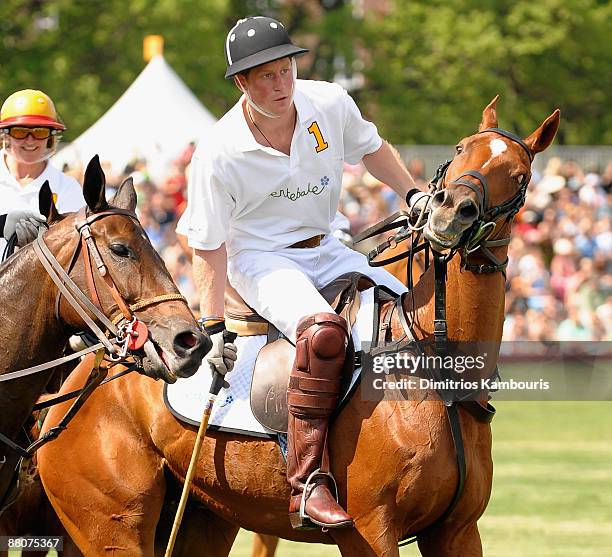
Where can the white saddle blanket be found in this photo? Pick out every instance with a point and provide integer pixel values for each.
(232, 410)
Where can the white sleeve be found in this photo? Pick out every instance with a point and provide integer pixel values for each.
(209, 205)
(69, 195)
(360, 136)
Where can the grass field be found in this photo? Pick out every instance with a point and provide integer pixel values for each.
(552, 487)
(552, 490)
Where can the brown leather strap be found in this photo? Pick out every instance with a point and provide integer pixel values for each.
(125, 310)
(315, 402)
(331, 386)
(71, 299)
(313, 242)
(91, 283)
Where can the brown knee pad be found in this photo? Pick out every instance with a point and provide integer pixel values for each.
(319, 357)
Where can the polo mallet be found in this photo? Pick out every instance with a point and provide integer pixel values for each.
(215, 386)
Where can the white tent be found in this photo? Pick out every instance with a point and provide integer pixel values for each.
(155, 118)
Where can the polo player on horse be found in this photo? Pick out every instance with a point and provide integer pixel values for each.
(264, 187)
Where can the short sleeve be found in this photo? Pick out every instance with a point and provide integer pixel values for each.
(209, 206)
(360, 136)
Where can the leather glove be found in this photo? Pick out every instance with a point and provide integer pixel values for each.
(417, 201)
(223, 354)
(25, 223)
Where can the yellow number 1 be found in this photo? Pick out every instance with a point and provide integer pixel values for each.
(321, 144)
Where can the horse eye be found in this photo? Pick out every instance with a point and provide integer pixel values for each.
(120, 250)
(459, 148)
(520, 178)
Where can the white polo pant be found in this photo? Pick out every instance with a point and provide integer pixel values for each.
(282, 286)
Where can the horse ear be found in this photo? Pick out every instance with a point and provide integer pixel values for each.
(489, 116)
(125, 198)
(46, 205)
(543, 136)
(94, 184)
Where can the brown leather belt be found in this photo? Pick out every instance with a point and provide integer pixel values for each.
(313, 242)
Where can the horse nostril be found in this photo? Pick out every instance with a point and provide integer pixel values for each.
(468, 210)
(190, 341)
(437, 199)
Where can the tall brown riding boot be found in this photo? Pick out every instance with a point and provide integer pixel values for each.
(312, 396)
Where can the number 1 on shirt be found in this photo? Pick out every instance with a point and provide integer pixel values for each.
(321, 144)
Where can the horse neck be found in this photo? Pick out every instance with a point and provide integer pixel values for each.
(474, 304)
(30, 333)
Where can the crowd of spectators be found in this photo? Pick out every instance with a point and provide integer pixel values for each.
(559, 280)
(559, 276)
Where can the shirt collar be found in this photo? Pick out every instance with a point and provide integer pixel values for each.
(303, 105)
(246, 141)
(245, 138)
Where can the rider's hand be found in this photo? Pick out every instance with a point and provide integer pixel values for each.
(417, 202)
(223, 354)
(25, 223)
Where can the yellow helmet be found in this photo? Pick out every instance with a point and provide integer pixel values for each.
(29, 108)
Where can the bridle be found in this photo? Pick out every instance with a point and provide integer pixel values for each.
(476, 238)
(129, 333)
(479, 235)
(123, 333)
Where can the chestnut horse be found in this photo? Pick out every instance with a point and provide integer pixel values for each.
(33, 330)
(394, 460)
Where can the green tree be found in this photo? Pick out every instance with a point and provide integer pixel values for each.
(435, 64)
(428, 66)
(84, 53)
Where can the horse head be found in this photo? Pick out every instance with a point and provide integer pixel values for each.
(485, 184)
(108, 255)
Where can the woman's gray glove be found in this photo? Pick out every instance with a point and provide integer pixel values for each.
(25, 223)
(223, 354)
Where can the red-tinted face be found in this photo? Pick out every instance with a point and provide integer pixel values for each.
(29, 150)
(271, 86)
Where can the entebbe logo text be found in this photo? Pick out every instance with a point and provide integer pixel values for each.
(295, 195)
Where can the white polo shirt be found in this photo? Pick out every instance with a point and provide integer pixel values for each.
(254, 197)
(67, 191)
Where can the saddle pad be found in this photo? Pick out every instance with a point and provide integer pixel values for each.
(232, 413)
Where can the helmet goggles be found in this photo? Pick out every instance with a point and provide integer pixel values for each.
(21, 132)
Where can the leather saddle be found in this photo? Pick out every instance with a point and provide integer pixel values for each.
(275, 359)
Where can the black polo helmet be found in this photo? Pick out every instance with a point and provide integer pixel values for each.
(255, 41)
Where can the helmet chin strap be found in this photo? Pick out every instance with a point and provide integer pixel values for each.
(259, 109)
